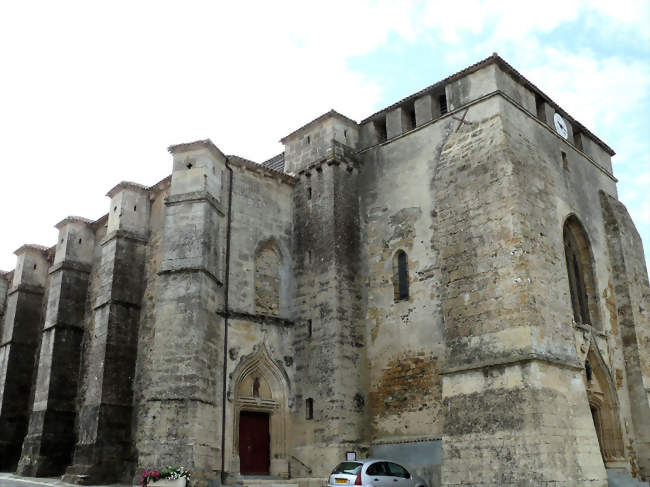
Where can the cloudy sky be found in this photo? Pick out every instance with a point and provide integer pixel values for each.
(92, 93)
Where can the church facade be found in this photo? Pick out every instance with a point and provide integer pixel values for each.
(451, 283)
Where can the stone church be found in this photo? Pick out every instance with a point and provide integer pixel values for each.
(451, 283)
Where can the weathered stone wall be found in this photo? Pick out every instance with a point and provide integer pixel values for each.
(404, 339)
(18, 349)
(49, 443)
(329, 341)
(632, 294)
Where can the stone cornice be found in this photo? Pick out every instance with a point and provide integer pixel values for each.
(63, 326)
(197, 144)
(73, 219)
(260, 169)
(70, 265)
(126, 185)
(255, 318)
(26, 288)
(336, 154)
(32, 248)
(513, 360)
(191, 270)
(195, 196)
(124, 234)
(330, 114)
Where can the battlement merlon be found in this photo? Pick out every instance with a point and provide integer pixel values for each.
(490, 76)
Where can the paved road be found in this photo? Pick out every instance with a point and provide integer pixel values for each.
(10, 480)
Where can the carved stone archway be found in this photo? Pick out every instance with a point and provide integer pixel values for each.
(261, 385)
(603, 402)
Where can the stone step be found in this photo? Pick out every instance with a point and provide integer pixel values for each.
(622, 478)
(279, 482)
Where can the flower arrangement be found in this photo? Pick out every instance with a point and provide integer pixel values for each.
(170, 473)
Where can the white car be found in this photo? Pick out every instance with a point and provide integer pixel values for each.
(373, 473)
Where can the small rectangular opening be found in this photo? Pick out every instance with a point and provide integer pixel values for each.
(309, 408)
(442, 101)
(309, 257)
(309, 329)
(380, 128)
(410, 118)
(565, 161)
(309, 192)
(577, 140)
(539, 105)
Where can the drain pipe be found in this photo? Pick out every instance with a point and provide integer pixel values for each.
(226, 314)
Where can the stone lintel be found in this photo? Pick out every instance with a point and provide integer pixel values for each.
(193, 197)
(127, 185)
(514, 360)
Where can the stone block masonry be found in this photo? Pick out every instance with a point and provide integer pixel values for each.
(450, 283)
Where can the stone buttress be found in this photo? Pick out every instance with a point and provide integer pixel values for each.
(18, 345)
(103, 450)
(632, 293)
(49, 443)
(180, 418)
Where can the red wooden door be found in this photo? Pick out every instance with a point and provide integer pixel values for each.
(254, 443)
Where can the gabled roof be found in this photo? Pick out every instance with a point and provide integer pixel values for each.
(275, 163)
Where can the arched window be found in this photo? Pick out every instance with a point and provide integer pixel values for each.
(267, 279)
(580, 273)
(400, 276)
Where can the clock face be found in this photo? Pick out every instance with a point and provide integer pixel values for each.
(560, 125)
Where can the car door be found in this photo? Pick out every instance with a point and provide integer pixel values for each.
(377, 474)
(398, 475)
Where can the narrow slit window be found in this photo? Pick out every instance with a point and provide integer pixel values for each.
(400, 276)
(565, 161)
(309, 257)
(309, 193)
(309, 408)
(309, 328)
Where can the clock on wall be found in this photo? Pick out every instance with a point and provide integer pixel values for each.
(560, 125)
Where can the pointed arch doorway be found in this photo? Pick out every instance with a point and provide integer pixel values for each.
(604, 407)
(260, 403)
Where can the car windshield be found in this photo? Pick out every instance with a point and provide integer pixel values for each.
(351, 468)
